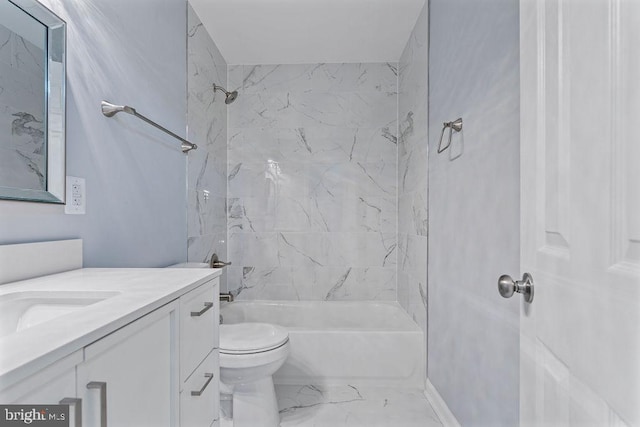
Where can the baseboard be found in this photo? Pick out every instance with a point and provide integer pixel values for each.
(440, 407)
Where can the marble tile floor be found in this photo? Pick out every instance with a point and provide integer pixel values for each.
(349, 406)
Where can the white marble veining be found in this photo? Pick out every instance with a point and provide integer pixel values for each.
(22, 104)
(132, 294)
(207, 127)
(316, 283)
(350, 406)
(344, 78)
(312, 181)
(412, 174)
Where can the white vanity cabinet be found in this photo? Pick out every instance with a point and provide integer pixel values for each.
(127, 377)
(161, 369)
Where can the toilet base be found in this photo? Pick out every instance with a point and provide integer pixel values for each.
(255, 404)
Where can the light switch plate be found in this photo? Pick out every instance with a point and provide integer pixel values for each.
(76, 196)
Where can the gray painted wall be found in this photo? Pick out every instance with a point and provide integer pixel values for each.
(474, 209)
(128, 52)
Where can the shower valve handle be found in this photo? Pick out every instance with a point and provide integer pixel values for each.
(507, 286)
(216, 263)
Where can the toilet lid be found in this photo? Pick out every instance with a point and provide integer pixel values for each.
(241, 338)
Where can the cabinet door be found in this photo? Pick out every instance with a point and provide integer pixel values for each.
(47, 386)
(55, 384)
(128, 376)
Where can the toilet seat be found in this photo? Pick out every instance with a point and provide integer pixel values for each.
(251, 338)
(240, 353)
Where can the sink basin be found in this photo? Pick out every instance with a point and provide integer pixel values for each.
(22, 310)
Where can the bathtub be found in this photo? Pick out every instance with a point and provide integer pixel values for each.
(341, 342)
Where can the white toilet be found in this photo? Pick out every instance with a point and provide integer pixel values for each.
(250, 353)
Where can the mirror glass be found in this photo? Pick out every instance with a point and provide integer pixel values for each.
(32, 102)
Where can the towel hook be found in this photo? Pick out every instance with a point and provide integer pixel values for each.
(454, 125)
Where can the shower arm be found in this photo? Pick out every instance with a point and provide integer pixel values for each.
(111, 110)
(220, 88)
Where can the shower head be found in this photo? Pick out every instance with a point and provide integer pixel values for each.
(229, 96)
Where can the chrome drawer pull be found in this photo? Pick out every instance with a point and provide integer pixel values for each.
(198, 393)
(207, 306)
(102, 387)
(77, 409)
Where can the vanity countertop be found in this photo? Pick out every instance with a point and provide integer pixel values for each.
(139, 291)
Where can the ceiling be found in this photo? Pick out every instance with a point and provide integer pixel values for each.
(309, 31)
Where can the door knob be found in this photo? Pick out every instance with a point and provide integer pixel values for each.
(507, 286)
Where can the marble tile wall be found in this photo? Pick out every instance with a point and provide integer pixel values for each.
(207, 127)
(22, 154)
(312, 170)
(412, 173)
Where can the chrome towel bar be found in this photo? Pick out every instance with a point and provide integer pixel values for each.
(110, 110)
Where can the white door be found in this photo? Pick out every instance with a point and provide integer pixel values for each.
(580, 212)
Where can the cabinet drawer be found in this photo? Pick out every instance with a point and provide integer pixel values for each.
(201, 410)
(197, 326)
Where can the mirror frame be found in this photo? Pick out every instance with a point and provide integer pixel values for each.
(55, 107)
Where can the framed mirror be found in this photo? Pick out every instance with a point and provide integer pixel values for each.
(32, 102)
